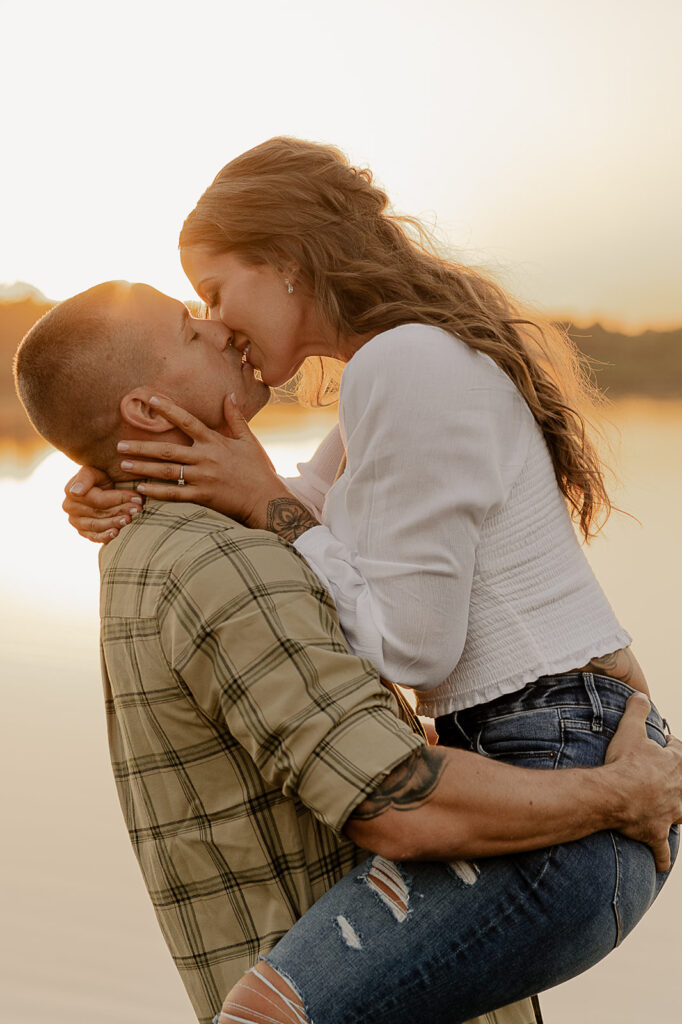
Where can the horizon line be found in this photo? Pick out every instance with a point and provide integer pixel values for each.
(610, 322)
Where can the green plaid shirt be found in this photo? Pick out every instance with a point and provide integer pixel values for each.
(242, 734)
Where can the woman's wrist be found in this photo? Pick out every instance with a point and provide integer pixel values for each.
(282, 514)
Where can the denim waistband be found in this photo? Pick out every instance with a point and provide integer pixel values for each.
(566, 690)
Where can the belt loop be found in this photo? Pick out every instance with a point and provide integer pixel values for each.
(597, 710)
(464, 735)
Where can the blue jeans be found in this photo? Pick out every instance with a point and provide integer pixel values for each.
(443, 943)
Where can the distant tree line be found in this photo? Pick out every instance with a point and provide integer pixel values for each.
(647, 364)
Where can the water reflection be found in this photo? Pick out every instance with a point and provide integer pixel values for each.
(47, 565)
(81, 936)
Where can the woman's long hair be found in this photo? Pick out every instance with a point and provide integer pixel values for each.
(369, 269)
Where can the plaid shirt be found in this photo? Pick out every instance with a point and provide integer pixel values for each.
(242, 734)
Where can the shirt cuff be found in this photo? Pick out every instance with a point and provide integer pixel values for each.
(352, 761)
(312, 545)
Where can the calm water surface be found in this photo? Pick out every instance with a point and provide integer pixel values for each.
(80, 942)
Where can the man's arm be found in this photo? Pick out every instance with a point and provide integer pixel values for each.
(443, 803)
(247, 627)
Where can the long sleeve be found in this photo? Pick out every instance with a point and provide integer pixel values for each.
(318, 474)
(435, 436)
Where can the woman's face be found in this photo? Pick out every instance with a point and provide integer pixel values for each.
(274, 329)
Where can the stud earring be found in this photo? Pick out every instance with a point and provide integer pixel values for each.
(289, 285)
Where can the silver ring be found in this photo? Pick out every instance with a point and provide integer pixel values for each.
(181, 478)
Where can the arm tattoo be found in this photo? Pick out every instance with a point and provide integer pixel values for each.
(407, 787)
(620, 665)
(289, 518)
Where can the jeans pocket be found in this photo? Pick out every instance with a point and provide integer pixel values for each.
(528, 739)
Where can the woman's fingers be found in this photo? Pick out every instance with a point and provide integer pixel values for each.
(99, 531)
(86, 478)
(159, 470)
(98, 500)
(115, 516)
(234, 419)
(154, 450)
(100, 538)
(165, 492)
(189, 424)
(96, 524)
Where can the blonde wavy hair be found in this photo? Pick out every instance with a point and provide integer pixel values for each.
(370, 269)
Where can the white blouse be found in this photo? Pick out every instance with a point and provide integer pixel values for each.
(446, 543)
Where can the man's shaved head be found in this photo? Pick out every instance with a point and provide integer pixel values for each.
(75, 365)
(86, 370)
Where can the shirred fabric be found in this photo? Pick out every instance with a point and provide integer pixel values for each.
(445, 542)
(242, 734)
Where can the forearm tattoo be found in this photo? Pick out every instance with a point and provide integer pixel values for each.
(407, 787)
(289, 518)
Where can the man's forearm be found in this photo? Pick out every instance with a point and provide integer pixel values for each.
(444, 803)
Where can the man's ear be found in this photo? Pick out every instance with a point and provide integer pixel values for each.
(137, 412)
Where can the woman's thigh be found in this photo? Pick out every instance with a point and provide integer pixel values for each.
(446, 942)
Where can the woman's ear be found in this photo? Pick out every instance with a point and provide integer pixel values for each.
(137, 412)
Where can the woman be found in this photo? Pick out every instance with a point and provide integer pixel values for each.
(438, 519)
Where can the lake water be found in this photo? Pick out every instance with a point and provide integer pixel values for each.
(80, 941)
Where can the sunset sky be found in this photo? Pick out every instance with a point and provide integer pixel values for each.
(544, 138)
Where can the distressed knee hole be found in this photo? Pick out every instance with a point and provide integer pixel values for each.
(466, 870)
(263, 996)
(385, 879)
(348, 933)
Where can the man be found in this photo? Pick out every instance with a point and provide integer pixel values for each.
(249, 747)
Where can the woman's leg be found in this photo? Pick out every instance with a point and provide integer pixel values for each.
(443, 943)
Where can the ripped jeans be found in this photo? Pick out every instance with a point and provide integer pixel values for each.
(400, 943)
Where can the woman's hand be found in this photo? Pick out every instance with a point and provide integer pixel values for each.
(232, 475)
(95, 509)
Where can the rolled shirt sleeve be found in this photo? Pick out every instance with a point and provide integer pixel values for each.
(269, 662)
(435, 435)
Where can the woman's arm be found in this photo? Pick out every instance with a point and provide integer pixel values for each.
(435, 437)
(316, 476)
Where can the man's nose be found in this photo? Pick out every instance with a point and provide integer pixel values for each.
(218, 333)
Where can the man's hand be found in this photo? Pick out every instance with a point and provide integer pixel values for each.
(443, 803)
(650, 780)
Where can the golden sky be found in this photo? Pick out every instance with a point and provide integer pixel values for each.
(543, 138)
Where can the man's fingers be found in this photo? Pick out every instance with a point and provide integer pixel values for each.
(661, 851)
(631, 729)
(635, 715)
